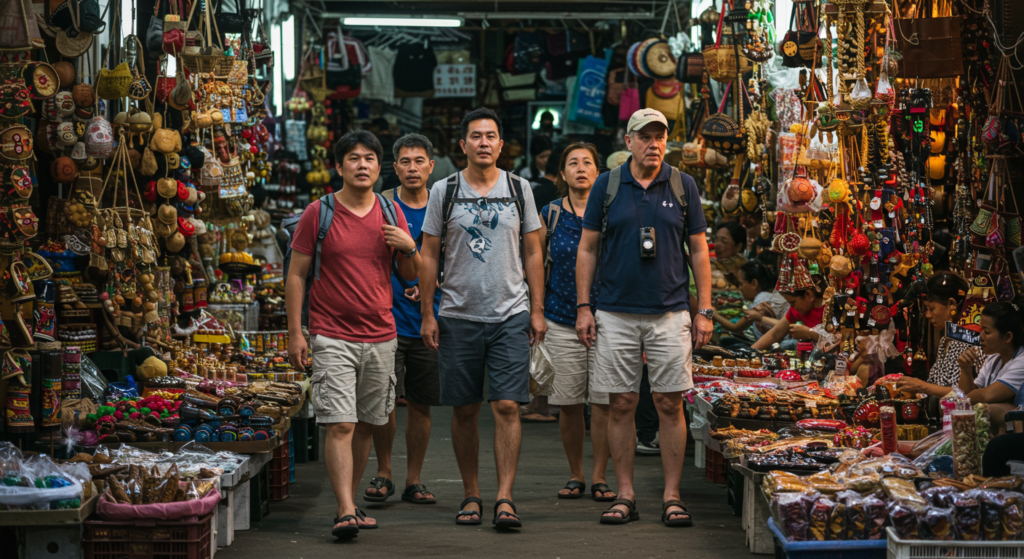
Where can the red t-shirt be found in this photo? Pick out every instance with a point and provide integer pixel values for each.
(809, 320)
(352, 299)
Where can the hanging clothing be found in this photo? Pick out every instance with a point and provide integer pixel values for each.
(380, 83)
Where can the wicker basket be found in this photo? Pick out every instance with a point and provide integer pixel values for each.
(723, 63)
(217, 64)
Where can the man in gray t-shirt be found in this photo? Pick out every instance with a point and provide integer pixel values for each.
(492, 307)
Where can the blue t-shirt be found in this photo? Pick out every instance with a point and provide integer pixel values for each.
(631, 284)
(408, 318)
(560, 293)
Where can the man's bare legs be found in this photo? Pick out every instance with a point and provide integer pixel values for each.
(622, 443)
(599, 442)
(672, 439)
(466, 442)
(338, 455)
(508, 437)
(360, 451)
(417, 436)
(572, 425)
(383, 439)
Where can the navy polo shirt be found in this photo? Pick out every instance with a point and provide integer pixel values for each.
(631, 284)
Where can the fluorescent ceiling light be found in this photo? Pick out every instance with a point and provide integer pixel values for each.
(389, 21)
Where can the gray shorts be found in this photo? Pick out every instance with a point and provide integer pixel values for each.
(469, 352)
(416, 369)
(352, 381)
(625, 339)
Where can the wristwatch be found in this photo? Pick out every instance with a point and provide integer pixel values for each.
(410, 254)
(706, 313)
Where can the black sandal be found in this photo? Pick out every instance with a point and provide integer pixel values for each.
(360, 515)
(572, 486)
(379, 483)
(601, 488)
(504, 520)
(464, 512)
(345, 532)
(624, 517)
(675, 522)
(410, 495)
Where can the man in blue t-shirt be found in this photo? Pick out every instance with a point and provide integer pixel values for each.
(415, 364)
(643, 311)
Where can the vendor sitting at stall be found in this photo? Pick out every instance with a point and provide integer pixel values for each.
(805, 306)
(730, 243)
(755, 284)
(1000, 376)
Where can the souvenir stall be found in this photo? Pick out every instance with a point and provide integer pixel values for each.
(126, 236)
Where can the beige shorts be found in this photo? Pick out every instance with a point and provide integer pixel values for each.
(567, 366)
(623, 339)
(352, 381)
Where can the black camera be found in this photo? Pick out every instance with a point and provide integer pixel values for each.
(647, 244)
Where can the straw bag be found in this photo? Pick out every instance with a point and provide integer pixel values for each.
(20, 30)
(667, 97)
(724, 62)
(722, 132)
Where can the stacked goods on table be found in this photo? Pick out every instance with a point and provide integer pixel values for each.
(243, 414)
(859, 496)
(38, 483)
(190, 462)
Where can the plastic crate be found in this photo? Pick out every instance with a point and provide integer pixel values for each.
(282, 451)
(279, 492)
(920, 549)
(852, 549)
(279, 463)
(277, 477)
(259, 494)
(735, 493)
(173, 539)
(306, 434)
(714, 467)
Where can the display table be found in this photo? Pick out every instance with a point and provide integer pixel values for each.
(755, 512)
(48, 534)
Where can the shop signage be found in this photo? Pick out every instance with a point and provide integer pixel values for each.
(455, 80)
(957, 332)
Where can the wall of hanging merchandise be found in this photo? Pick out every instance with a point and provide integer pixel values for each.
(112, 167)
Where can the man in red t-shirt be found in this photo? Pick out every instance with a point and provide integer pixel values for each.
(350, 321)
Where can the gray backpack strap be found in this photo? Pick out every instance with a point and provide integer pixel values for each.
(388, 207)
(451, 187)
(611, 191)
(679, 192)
(554, 211)
(326, 218)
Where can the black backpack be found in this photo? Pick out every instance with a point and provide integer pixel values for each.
(515, 185)
(326, 219)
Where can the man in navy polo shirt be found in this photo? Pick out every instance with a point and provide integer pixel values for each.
(644, 309)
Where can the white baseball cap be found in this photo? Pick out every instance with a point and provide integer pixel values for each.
(643, 117)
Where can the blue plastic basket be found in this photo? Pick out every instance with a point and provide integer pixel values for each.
(852, 549)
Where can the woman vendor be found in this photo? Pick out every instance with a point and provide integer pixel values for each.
(805, 307)
(1002, 373)
(755, 284)
(730, 243)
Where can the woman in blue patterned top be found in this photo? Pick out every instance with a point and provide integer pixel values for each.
(562, 365)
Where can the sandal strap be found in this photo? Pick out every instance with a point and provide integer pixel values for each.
(416, 488)
(504, 502)
(674, 503)
(600, 488)
(346, 518)
(469, 500)
(381, 483)
(574, 484)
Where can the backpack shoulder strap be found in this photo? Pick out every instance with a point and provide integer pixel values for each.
(388, 208)
(611, 191)
(451, 187)
(326, 219)
(675, 181)
(515, 191)
(554, 211)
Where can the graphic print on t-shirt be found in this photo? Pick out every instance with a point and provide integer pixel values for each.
(478, 244)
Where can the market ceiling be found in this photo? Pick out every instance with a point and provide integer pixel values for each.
(500, 9)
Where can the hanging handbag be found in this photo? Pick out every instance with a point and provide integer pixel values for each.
(721, 131)
(262, 55)
(20, 30)
(155, 32)
(228, 22)
(80, 15)
(615, 86)
(801, 48)
(690, 67)
(666, 97)
(724, 62)
(630, 102)
(164, 83)
(931, 47)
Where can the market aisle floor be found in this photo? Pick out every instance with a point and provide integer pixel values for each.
(299, 527)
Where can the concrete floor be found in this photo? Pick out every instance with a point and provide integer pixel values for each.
(299, 527)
